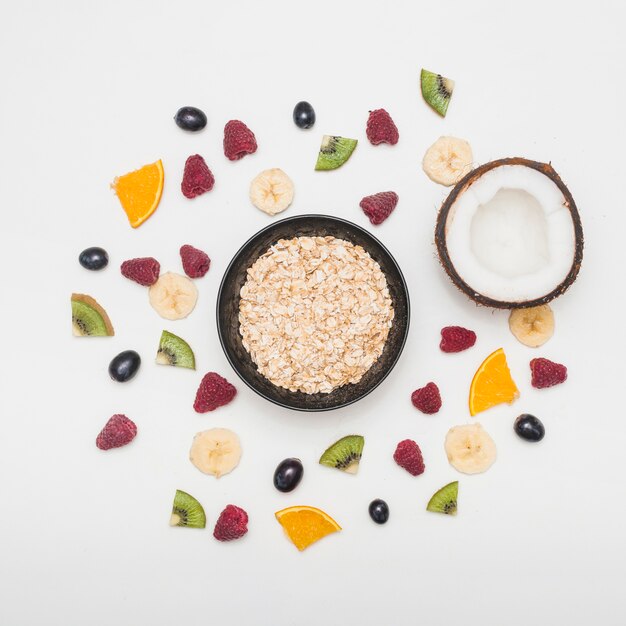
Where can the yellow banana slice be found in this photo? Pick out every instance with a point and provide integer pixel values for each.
(470, 449)
(532, 327)
(216, 451)
(271, 191)
(448, 160)
(173, 296)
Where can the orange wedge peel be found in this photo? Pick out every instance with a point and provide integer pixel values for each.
(305, 525)
(492, 384)
(139, 192)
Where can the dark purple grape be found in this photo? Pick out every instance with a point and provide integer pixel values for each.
(124, 366)
(379, 511)
(303, 115)
(93, 258)
(529, 427)
(288, 474)
(190, 118)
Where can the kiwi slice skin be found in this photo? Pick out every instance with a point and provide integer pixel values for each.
(89, 319)
(334, 152)
(445, 500)
(175, 351)
(437, 91)
(344, 454)
(187, 511)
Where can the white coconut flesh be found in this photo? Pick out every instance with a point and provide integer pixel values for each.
(510, 235)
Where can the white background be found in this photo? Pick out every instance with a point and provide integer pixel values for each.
(88, 92)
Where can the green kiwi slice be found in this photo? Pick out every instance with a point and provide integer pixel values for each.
(437, 91)
(187, 511)
(89, 319)
(334, 152)
(175, 351)
(444, 501)
(344, 454)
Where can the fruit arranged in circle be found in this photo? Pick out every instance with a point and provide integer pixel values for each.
(436, 90)
(173, 296)
(305, 525)
(470, 449)
(124, 366)
(344, 454)
(139, 192)
(379, 511)
(190, 118)
(533, 326)
(303, 115)
(216, 451)
(89, 319)
(94, 258)
(187, 511)
(492, 384)
(445, 500)
(173, 350)
(529, 427)
(334, 152)
(288, 475)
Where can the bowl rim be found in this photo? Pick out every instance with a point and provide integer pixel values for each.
(234, 259)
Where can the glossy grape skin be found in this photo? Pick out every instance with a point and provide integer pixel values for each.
(288, 475)
(190, 118)
(379, 511)
(529, 427)
(93, 258)
(124, 366)
(303, 115)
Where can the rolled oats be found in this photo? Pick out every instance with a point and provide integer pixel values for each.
(314, 313)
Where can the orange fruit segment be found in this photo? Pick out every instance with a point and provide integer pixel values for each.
(140, 192)
(492, 384)
(305, 525)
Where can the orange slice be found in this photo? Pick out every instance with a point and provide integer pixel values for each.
(140, 191)
(492, 384)
(305, 525)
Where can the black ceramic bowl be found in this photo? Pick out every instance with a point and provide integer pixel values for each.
(228, 311)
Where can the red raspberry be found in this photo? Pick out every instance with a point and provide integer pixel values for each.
(409, 456)
(379, 206)
(144, 270)
(231, 524)
(197, 178)
(547, 373)
(117, 432)
(427, 399)
(239, 140)
(214, 391)
(381, 128)
(195, 262)
(456, 339)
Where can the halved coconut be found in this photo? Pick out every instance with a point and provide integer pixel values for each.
(509, 234)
